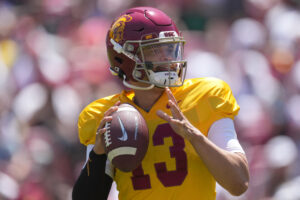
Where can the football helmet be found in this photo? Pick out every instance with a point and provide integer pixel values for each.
(144, 45)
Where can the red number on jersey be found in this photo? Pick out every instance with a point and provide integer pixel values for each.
(167, 178)
(176, 177)
(139, 180)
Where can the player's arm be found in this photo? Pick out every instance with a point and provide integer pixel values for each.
(223, 135)
(94, 183)
(229, 169)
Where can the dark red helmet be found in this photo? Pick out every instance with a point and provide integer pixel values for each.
(143, 44)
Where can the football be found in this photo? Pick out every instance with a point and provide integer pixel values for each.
(126, 138)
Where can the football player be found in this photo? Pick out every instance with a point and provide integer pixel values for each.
(192, 139)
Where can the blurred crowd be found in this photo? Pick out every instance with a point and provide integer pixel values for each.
(53, 63)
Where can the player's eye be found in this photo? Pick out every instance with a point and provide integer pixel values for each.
(170, 49)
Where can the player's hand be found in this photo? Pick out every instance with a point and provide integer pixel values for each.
(177, 121)
(99, 143)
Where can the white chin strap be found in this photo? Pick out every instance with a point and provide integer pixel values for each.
(166, 78)
(136, 87)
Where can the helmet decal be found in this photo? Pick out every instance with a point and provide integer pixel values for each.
(165, 34)
(117, 30)
(148, 37)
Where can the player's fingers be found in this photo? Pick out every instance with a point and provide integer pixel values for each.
(101, 131)
(104, 120)
(99, 142)
(178, 123)
(111, 110)
(164, 115)
(175, 110)
(173, 122)
(118, 103)
(170, 95)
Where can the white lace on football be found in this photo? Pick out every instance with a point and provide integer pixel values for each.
(107, 138)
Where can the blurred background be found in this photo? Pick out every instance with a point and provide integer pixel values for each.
(53, 63)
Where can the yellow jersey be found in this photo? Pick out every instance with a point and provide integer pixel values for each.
(171, 168)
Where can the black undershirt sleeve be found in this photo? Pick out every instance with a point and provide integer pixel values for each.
(93, 183)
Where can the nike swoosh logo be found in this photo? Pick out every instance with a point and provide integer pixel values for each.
(124, 136)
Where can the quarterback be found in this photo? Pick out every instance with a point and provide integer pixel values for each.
(192, 139)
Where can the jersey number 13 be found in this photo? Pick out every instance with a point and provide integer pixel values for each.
(141, 181)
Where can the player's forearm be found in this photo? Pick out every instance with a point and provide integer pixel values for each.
(229, 169)
(93, 183)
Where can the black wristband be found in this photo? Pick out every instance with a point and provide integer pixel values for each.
(93, 183)
(94, 157)
(95, 162)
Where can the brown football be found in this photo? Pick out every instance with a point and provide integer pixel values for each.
(127, 138)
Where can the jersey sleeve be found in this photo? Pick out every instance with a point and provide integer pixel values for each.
(90, 118)
(222, 102)
(222, 133)
(217, 102)
(88, 122)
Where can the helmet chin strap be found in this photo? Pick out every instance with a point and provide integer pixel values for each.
(136, 87)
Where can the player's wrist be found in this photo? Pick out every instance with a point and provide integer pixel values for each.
(191, 132)
(98, 150)
(93, 154)
(195, 135)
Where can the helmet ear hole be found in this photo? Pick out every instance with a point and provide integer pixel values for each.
(119, 60)
(121, 73)
(117, 71)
